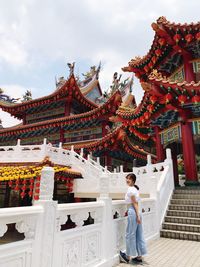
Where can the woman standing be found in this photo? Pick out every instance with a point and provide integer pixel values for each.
(135, 242)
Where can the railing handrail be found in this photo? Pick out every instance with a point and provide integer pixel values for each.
(21, 211)
(162, 178)
(83, 205)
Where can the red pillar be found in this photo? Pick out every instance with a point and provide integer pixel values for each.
(159, 146)
(104, 131)
(189, 154)
(188, 69)
(62, 136)
(68, 107)
(175, 164)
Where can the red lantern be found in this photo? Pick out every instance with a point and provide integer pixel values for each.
(197, 36)
(150, 108)
(22, 194)
(196, 99)
(158, 52)
(161, 41)
(31, 187)
(150, 64)
(142, 119)
(37, 191)
(147, 115)
(37, 184)
(168, 98)
(24, 187)
(154, 59)
(153, 99)
(146, 68)
(189, 38)
(177, 37)
(36, 197)
(182, 99)
(16, 188)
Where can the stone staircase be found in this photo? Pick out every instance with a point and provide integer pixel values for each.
(182, 220)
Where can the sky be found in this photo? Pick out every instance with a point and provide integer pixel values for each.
(39, 37)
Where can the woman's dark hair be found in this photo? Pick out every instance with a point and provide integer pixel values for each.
(133, 177)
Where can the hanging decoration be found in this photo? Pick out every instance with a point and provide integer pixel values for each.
(21, 178)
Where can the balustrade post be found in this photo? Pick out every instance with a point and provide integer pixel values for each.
(121, 168)
(98, 160)
(17, 151)
(108, 233)
(148, 159)
(46, 226)
(149, 165)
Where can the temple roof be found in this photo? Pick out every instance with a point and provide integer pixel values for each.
(116, 140)
(102, 112)
(170, 43)
(162, 101)
(68, 89)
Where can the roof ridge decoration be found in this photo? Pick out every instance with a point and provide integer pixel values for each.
(169, 39)
(69, 85)
(107, 108)
(158, 77)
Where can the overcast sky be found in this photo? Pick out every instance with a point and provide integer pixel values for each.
(39, 37)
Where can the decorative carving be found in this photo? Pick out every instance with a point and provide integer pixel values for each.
(135, 60)
(116, 83)
(72, 253)
(47, 183)
(7, 98)
(162, 19)
(155, 74)
(3, 229)
(97, 215)
(120, 236)
(48, 233)
(92, 247)
(27, 96)
(71, 68)
(79, 217)
(27, 226)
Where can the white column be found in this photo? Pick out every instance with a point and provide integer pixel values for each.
(108, 233)
(46, 226)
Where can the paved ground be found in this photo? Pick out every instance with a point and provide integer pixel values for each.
(166, 252)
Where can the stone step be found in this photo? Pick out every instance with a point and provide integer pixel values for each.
(185, 202)
(184, 207)
(186, 196)
(182, 220)
(182, 213)
(187, 191)
(182, 227)
(180, 235)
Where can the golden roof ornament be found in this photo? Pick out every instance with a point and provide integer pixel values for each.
(155, 74)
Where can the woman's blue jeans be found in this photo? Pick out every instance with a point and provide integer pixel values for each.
(135, 242)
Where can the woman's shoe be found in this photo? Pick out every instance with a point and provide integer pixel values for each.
(123, 257)
(136, 260)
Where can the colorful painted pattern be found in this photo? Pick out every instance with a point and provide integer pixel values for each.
(196, 127)
(170, 135)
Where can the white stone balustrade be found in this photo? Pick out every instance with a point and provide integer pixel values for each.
(96, 244)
